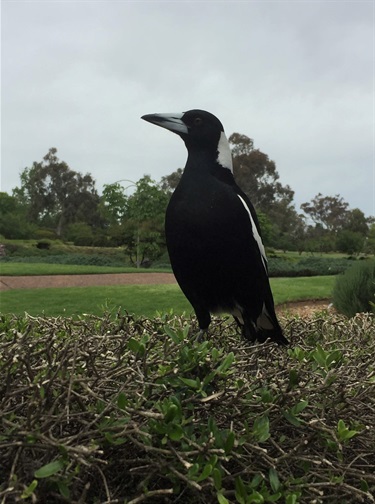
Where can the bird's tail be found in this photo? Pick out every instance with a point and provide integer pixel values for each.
(266, 326)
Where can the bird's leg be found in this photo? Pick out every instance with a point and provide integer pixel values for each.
(204, 320)
(201, 335)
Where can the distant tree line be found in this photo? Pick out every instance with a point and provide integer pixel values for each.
(54, 201)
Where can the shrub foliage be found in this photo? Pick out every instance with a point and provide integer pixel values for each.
(309, 266)
(354, 291)
(277, 266)
(117, 409)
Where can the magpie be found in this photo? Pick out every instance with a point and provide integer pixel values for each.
(213, 235)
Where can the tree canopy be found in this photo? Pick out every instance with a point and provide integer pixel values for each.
(55, 195)
(137, 220)
(257, 176)
(53, 198)
(328, 211)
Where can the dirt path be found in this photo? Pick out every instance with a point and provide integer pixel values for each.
(301, 308)
(46, 281)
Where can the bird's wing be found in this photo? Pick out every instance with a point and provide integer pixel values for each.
(255, 227)
(256, 231)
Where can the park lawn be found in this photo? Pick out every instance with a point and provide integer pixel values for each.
(29, 269)
(141, 299)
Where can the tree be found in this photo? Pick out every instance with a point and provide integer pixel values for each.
(257, 176)
(357, 222)
(113, 203)
(319, 239)
(13, 218)
(369, 247)
(56, 195)
(80, 234)
(169, 182)
(349, 242)
(149, 200)
(289, 227)
(331, 212)
(143, 222)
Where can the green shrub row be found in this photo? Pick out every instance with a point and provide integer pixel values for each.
(278, 267)
(57, 252)
(43, 248)
(78, 259)
(309, 266)
(135, 410)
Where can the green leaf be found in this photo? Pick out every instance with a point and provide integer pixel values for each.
(49, 469)
(176, 338)
(229, 442)
(261, 428)
(216, 474)
(29, 490)
(240, 488)
(191, 383)
(63, 489)
(291, 418)
(135, 346)
(274, 479)
(121, 401)
(205, 473)
(292, 498)
(292, 413)
(334, 358)
(171, 413)
(320, 356)
(299, 407)
(344, 434)
(293, 378)
(266, 395)
(221, 499)
(114, 441)
(275, 497)
(175, 432)
(207, 379)
(256, 480)
(364, 486)
(215, 354)
(298, 353)
(255, 498)
(226, 364)
(193, 470)
(185, 331)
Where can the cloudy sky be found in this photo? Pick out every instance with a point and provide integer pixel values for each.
(296, 76)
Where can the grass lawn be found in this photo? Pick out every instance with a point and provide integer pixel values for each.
(141, 299)
(19, 269)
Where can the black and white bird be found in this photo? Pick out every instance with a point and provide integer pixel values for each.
(213, 234)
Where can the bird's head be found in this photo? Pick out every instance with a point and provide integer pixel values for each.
(200, 130)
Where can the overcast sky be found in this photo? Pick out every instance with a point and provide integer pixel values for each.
(296, 76)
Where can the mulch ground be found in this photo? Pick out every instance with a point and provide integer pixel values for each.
(301, 308)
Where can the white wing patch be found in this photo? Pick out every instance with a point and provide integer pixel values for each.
(264, 320)
(256, 235)
(224, 155)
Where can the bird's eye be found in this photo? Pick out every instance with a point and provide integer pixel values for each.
(198, 121)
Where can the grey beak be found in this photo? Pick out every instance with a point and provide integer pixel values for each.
(171, 122)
